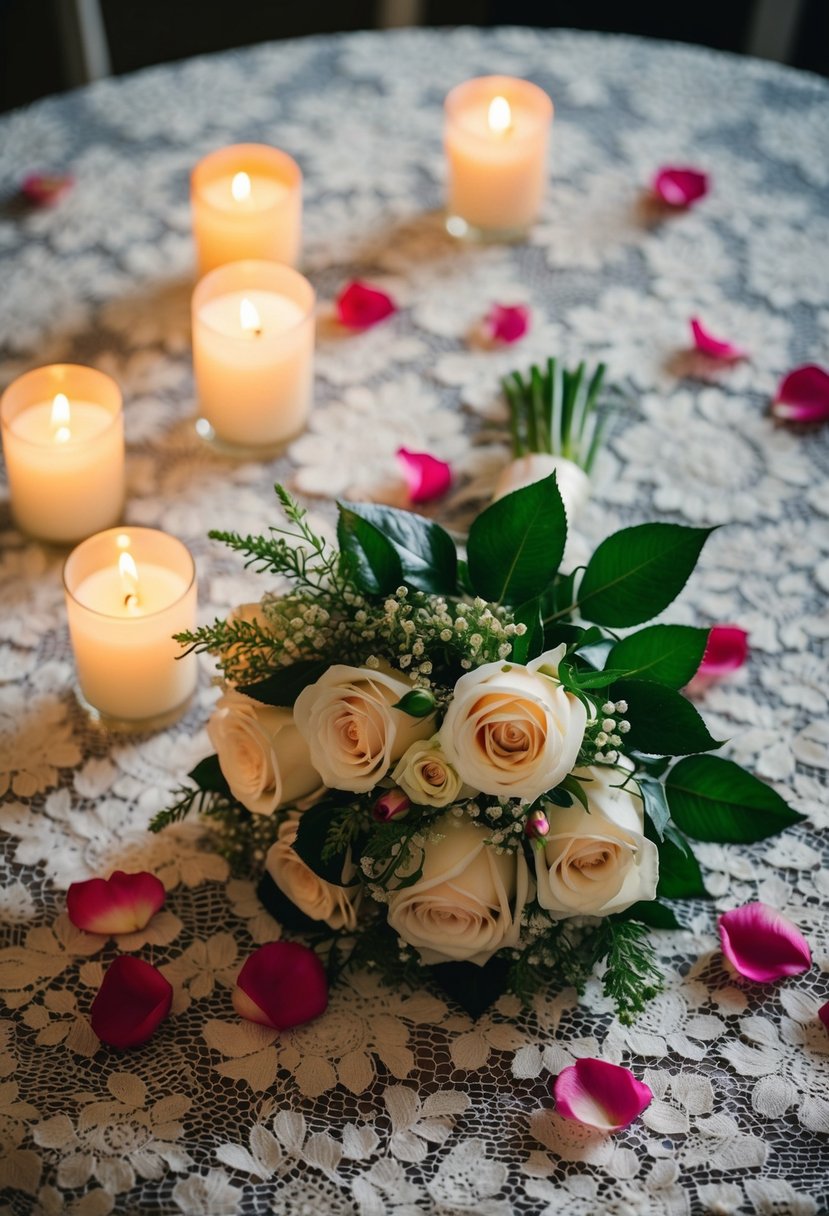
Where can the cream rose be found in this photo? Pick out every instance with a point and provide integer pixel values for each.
(319, 899)
(597, 863)
(353, 732)
(427, 777)
(512, 730)
(468, 902)
(264, 758)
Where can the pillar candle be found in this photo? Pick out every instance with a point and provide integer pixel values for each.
(253, 343)
(496, 140)
(63, 441)
(247, 203)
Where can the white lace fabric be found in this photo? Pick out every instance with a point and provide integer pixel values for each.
(396, 1102)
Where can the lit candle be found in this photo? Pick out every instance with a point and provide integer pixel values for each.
(63, 440)
(253, 344)
(496, 139)
(128, 590)
(247, 203)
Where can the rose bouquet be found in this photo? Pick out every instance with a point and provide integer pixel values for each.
(469, 766)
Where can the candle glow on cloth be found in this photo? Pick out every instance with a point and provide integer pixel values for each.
(253, 341)
(63, 440)
(128, 590)
(247, 203)
(496, 138)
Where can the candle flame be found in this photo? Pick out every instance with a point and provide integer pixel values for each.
(60, 418)
(249, 317)
(129, 579)
(240, 187)
(500, 115)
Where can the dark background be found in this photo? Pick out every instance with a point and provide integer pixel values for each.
(38, 42)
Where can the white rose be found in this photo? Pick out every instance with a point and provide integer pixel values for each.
(352, 731)
(512, 730)
(264, 758)
(318, 899)
(573, 482)
(597, 863)
(427, 777)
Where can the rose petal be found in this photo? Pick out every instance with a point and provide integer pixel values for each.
(506, 323)
(715, 348)
(725, 651)
(360, 306)
(427, 477)
(823, 1014)
(680, 186)
(121, 903)
(134, 998)
(601, 1095)
(281, 984)
(762, 945)
(44, 189)
(803, 395)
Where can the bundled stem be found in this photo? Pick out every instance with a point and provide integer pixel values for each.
(554, 411)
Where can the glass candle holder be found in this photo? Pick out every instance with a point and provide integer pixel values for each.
(63, 441)
(128, 590)
(496, 138)
(247, 203)
(253, 348)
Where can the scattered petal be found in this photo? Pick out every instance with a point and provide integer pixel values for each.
(282, 984)
(715, 348)
(601, 1095)
(803, 395)
(823, 1014)
(360, 306)
(123, 903)
(45, 189)
(428, 477)
(762, 945)
(680, 186)
(506, 323)
(132, 1001)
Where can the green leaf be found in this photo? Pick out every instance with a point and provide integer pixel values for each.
(532, 643)
(515, 546)
(662, 721)
(679, 874)
(426, 552)
(284, 685)
(208, 776)
(374, 563)
(417, 703)
(652, 913)
(579, 678)
(310, 842)
(656, 804)
(714, 799)
(574, 787)
(669, 654)
(637, 572)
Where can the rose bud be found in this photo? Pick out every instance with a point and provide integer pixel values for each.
(391, 805)
(537, 826)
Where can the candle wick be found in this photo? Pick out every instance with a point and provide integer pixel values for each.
(131, 600)
(257, 331)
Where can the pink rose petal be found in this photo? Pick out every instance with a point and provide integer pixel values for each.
(121, 903)
(726, 650)
(45, 189)
(823, 1014)
(392, 805)
(134, 998)
(601, 1095)
(762, 945)
(714, 348)
(506, 323)
(359, 306)
(281, 985)
(680, 186)
(428, 478)
(803, 395)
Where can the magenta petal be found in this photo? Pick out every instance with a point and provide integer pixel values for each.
(726, 650)
(44, 189)
(132, 1001)
(122, 903)
(715, 348)
(803, 395)
(823, 1014)
(601, 1095)
(762, 945)
(680, 186)
(360, 306)
(281, 985)
(427, 476)
(506, 323)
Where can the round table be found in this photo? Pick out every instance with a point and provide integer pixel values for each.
(397, 1101)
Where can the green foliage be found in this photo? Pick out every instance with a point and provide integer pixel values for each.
(515, 546)
(662, 721)
(283, 686)
(325, 834)
(426, 552)
(714, 799)
(418, 703)
(371, 559)
(669, 654)
(652, 913)
(554, 410)
(679, 874)
(632, 977)
(530, 644)
(656, 804)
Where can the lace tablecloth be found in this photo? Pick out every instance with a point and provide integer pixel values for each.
(396, 1101)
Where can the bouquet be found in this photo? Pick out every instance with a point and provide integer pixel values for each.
(468, 765)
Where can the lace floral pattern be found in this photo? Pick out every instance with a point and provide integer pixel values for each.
(396, 1102)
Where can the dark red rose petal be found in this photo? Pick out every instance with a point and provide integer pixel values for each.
(281, 985)
(122, 903)
(132, 1001)
(44, 189)
(359, 306)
